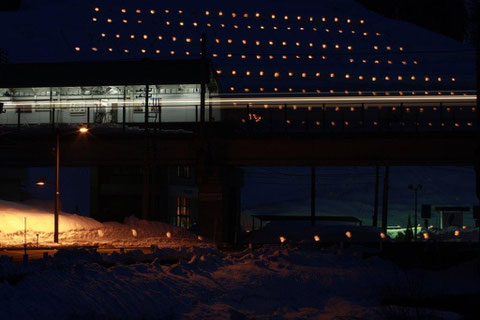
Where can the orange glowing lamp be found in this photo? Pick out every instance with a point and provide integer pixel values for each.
(83, 130)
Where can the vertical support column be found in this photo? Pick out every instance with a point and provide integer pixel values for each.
(146, 167)
(219, 202)
(313, 183)
(386, 184)
(375, 205)
(477, 110)
(203, 84)
(124, 109)
(211, 204)
(146, 107)
(19, 113)
(88, 117)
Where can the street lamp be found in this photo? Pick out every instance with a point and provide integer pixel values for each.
(42, 182)
(415, 189)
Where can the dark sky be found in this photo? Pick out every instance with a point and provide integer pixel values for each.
(74, 187)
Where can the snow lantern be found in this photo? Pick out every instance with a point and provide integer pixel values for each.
(134, 232)
(383, 236)
(317, 238)
(426, 235)
(169, 234)
(283, 239)
(348, 234)
(457, 233)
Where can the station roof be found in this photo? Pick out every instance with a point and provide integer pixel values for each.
(93, 73)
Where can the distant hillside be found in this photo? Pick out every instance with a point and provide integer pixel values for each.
(10, 5)
(447, 17)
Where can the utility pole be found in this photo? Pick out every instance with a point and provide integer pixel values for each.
(57, 187)
(375, 206)
(415, 222)
(313, 194)
(386, 182)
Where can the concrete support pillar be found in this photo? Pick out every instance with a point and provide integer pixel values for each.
(219, 203)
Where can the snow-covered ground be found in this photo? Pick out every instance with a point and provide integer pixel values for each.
(75, 230)
(186, 278)
(279, 282)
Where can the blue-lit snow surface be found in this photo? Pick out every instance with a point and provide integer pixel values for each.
(267, 46)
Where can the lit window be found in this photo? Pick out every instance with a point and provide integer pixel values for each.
(182, 218)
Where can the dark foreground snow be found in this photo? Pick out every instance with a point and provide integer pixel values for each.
(204, 283)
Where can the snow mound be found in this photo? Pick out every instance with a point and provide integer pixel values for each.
(76, 230)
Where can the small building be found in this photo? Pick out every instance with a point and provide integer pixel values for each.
(451, 216)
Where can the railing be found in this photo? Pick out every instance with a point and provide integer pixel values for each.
(261, 118)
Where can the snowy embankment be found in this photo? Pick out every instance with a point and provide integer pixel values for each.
(82, 231)
(275, 282)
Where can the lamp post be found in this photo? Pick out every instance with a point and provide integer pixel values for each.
(56, 210)
(415, 189)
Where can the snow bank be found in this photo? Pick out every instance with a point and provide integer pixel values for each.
(83, 231)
